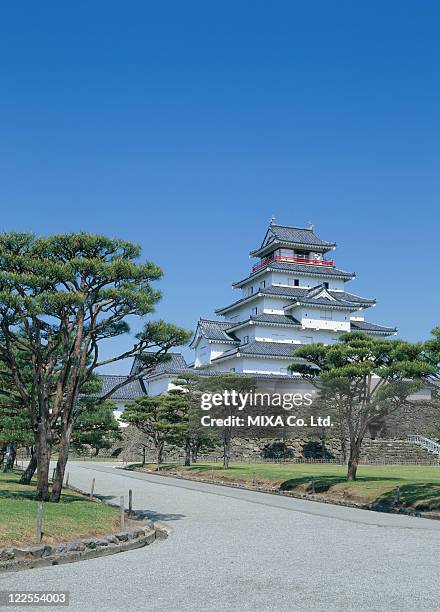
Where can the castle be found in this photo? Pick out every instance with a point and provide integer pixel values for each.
(293, 295)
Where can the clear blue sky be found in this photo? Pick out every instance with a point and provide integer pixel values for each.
(184, 126)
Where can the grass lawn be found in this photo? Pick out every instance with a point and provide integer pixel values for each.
(375, 484)
(74, 516)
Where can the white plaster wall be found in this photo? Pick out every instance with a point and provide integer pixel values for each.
(244, 311)
(274, 305)
(160, 385)
(234, 364)
(247, 330)
(217, 349)
(265, 365)
(202, 353)
(207, 351)
(285, 279)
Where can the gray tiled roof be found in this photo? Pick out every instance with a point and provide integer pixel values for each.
(216, 330)
(266, 349)
(212, 372)
(300, 269)
(297, 235)
(130, 391)
(371, 327)
(175, 360)
(270, 318)
(298, 292)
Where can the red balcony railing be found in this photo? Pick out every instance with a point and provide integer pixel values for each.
(302, 260)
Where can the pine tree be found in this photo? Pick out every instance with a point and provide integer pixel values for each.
(365, 378)
(158, 418)
(67, 294)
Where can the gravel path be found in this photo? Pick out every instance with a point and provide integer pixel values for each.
(241, 550)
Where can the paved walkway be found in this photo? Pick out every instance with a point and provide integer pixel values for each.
(241, 550)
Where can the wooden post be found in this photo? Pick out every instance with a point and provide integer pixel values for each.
(122, 513)
(397, 498)
(313, 486)
(143, 456)
(130, 502)
(92, 489)
(253, 479)
(39, 521)
(67, 479)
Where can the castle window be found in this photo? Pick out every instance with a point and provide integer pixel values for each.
(326, 314)
(245, 339)
(326, 285)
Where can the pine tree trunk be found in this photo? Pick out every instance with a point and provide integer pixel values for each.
(43, 452)
(353, 461)
(226, 450)
(11, 453)
(194, 453)
(188, 453)
(63, 456)
(159, 452)
(343, 450)
(26, 477)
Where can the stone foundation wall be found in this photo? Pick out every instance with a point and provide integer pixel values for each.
(420, 418)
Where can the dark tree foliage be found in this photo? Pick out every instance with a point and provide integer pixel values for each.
(61, 297)
(158, 418)
(364, 379)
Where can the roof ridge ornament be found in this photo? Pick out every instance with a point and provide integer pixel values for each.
(272, 220)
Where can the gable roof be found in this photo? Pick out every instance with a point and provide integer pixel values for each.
(130, 391)
(261, 349)
(214, 331)
(292, 236)
(270, 319)
(175, 360)
(300, 292)
(297, 235)
(321, 296)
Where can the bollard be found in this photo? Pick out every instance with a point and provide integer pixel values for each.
(313, 486)
(122, 513)
(253, 479)
(92, 488)
(130, 502)
(397, 497)
(39, 521)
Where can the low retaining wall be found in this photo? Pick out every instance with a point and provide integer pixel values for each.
(19, 558)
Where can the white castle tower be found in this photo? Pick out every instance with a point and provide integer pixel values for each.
(293, 295)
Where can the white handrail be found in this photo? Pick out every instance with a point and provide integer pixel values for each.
(430, 445)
